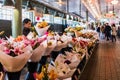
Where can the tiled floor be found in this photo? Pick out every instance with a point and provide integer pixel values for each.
(104, 64)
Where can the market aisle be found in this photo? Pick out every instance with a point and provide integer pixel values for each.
(104, 64)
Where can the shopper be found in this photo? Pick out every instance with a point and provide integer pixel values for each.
(102, 30)
(118, 32)
(98, 30)
(113, 32)
(108, 31)
(26, 26)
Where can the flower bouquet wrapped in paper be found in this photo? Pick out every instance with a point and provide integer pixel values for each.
(13, 56)
(50, 45)
(42, 28)
(14, 64)
(16, 52)
(38, 48)
(63, 70)
(48, 73)
(73, 58)
(38, 53)
(61, 43)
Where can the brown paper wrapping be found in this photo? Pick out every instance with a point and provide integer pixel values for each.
(68, 75)
(14, 64)
(49, 50)
(60, 46)
(37, 53)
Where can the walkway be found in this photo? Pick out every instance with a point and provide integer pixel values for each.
(104, 64)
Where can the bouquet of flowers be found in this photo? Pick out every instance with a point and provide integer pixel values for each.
(41, 28)
(46, 74)
(50, 45)
(37, 46)
(61, 42)
(14, 54)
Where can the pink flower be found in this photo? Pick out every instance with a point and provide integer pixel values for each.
(27, 42)
(32, 42)
(41, 39)
(17, 51)
(46, 33)
(6, 50)
(1, 41)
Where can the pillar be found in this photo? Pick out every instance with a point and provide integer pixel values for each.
(17, 19)
(86, 15)
(67, 6)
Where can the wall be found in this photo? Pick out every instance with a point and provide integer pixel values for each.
(5, 25)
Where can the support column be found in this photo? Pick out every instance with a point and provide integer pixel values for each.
(17, 19)
(80, 7)
(67, 6)
(86, 15)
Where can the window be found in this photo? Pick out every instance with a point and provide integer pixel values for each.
(6, 13)
(26, 14)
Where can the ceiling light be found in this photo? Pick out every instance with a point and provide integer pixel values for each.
(29, 6)
(46, 11)
(114, 2)
(110, 12)
(64, 16)
(57, 14)
(60, 2)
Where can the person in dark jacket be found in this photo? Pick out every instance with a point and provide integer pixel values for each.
(26, 26)
(108, 31)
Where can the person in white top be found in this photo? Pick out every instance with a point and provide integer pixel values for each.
(113, 32)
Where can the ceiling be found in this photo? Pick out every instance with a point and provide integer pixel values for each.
(106, 6)
(98, 8)
(103, 8)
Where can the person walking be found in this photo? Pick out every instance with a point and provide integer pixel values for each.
(113, 32)
(102, 34)
(108, 31)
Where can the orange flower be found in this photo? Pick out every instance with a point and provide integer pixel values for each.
(52, 75)
(39, 76)
(18, 39)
